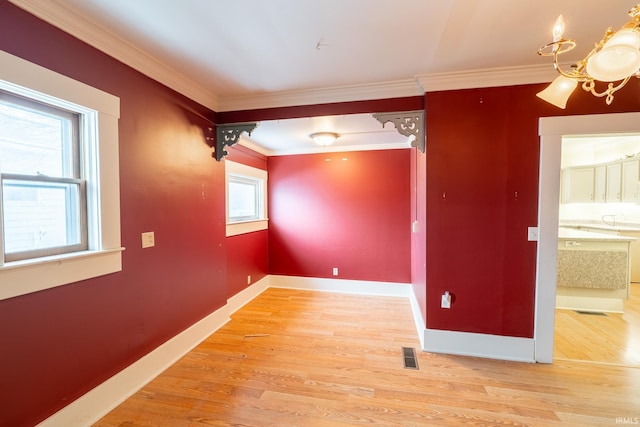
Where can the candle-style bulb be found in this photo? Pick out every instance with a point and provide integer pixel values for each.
(558, 28)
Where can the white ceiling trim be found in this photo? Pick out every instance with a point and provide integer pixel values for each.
(253, 146)
(361, 92)
(76, 24)
(319, 150)
(493, 77)
(70, 21)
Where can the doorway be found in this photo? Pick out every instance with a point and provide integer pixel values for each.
(552, 130)
(599, 209)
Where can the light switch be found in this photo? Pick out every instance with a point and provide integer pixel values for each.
(148, 239)
(532, 234)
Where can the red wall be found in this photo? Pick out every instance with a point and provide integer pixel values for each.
(345, 210)
(482, 149)
(60, 343)
(247, 254)
(419, 237)
(476, 226)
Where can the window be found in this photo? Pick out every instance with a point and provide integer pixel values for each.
(43, 195)
(59, 185)
(246, 198)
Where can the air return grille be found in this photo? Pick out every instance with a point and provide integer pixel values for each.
(409, 356)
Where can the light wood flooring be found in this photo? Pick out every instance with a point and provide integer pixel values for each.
(304, 358)
(613, 338)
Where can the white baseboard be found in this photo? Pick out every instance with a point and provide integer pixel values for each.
(236, 302)
(436, 341)
(479, 345)
(403, 290)
(341, 286)
(417, 318)
(95, 404)
(594, 304)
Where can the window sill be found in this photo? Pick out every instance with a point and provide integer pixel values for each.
(244, 227)
(24, 277)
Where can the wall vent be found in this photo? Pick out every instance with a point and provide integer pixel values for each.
(409, 356)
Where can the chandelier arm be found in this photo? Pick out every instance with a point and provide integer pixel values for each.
(590, 86)
(557, 47)
(576, 73)
(573, 74)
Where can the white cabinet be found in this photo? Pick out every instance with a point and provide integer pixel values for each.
(600, 185)
(614, 182)
(630, 175)
(578, 185)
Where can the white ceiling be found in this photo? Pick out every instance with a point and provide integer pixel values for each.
(243, 54)
(356, 132)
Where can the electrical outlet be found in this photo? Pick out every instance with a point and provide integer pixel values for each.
(248, 279)
(446, 300)
(335, 271)
(148, 239)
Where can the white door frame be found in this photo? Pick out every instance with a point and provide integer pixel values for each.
(551, 131)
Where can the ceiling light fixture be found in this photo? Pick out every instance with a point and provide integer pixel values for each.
(324, 138)
(614, 59)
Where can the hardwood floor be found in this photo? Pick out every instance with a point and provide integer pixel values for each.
(613, 338)
(304, 358)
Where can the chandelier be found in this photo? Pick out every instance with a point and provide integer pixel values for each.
(612, 62)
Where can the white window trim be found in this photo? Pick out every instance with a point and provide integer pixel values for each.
(242, 227)
(105, 253)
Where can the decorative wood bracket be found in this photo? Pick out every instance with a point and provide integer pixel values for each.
(229, 134)
(407, 123)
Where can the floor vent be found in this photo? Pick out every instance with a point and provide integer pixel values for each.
(409, 356)
(593, 313)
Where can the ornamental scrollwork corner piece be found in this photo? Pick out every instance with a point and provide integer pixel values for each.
(407, 123)
(228, 135)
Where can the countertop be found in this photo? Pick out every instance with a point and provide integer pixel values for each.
(573, 234)
(629, 227)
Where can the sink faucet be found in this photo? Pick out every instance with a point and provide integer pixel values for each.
(609, 220)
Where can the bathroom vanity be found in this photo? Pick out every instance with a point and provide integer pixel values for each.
(593, 270)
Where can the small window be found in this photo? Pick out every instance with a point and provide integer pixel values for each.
(43, 201)
(246, 198)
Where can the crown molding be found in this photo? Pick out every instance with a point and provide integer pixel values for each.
(420, 84)
(343, 149)
(361, 92)
(255, 147)
(248, 143)
(71, 21)
(489, 77)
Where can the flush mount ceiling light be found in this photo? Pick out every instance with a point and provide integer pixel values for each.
(324, 138)
(613, 61)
